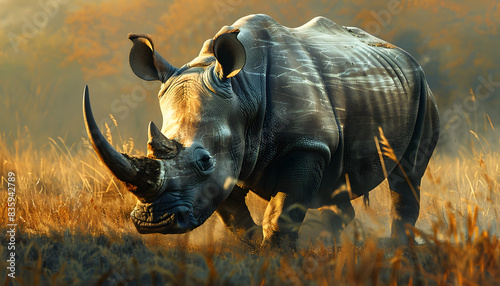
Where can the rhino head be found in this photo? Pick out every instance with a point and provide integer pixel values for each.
(193, 163)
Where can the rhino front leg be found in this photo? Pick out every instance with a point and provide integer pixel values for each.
(296, 185)
(235, 215)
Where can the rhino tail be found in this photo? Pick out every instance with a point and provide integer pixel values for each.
(366, 200)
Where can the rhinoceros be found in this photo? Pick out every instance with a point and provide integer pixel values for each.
(306, 118)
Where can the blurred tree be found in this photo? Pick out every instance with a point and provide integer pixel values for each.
(99, 30)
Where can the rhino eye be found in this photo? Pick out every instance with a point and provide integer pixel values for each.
(203, 159)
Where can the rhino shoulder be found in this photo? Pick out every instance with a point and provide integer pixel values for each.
(323, 25)
(256, 21)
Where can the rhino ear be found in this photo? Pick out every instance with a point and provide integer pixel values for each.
(145, 62)
(230, 55)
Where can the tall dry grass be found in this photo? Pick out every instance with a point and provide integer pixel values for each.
(74, 228)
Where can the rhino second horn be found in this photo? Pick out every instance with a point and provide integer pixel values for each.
(117, 163)
(159, 146)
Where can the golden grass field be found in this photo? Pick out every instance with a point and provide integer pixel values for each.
(73, 228)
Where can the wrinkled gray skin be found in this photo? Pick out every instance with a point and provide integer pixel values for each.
(289, 113)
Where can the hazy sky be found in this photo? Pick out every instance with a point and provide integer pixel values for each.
(52, 48)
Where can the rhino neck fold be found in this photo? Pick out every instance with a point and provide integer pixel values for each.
(252, 101)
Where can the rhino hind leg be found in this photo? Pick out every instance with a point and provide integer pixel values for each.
(296, 185)
(235, 215)
(405, 185)
(337, 217)
(405, 203)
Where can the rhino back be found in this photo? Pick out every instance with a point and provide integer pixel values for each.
(330, 88)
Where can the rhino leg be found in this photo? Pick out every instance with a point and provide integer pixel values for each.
(405, 186)
(337, 217)
(235, 215)
(405, 203)
(296, 185)
(405, 194)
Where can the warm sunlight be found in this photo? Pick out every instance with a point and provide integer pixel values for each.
(66, 219)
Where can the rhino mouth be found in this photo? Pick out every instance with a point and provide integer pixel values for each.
(159, 217)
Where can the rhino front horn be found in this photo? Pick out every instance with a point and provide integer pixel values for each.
(117, 163)
(142, 175)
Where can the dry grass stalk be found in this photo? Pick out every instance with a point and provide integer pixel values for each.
(388, 152)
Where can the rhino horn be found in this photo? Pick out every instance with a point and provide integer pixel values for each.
(117, 163)
(142, 175)
(159, 146)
